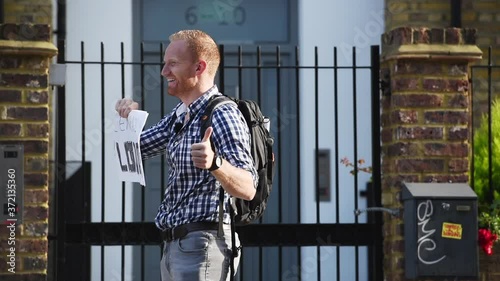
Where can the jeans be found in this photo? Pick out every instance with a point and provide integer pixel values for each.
(200, 255)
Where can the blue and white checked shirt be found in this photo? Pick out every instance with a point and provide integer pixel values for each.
(192, 194)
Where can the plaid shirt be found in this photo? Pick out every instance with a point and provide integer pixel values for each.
(192, 194)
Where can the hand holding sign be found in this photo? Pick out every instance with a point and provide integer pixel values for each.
(127, 133)
(202, 153)
(125, 106)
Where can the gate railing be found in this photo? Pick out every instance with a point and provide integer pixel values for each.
(485, 87)
(289, 224)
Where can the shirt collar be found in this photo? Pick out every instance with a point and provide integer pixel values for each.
(181, 108)
(198, 104)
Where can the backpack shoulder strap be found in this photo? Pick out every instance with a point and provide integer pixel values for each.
(213, 103)
(206, 121)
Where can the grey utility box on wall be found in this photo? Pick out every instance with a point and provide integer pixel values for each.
(12, 184)
(440, 230)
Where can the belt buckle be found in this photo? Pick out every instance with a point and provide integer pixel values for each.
(169, 234)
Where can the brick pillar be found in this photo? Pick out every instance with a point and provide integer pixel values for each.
(25, 52)
(425, 119)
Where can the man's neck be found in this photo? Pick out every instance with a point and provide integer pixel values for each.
(196, 93)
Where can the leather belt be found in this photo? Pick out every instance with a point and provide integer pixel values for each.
(180, 231)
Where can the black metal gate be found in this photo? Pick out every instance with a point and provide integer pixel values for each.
(296, 240)
(485, 100)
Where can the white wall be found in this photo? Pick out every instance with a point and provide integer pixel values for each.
(325, 24)
(110, 22)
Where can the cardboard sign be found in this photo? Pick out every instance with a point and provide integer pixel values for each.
(126, 138)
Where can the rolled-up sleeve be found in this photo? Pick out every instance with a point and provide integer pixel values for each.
(231, 138)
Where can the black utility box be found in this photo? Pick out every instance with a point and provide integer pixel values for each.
(440, 230)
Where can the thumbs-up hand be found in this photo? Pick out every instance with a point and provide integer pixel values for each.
(202, 153)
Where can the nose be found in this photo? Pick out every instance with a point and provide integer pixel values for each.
(165, 70)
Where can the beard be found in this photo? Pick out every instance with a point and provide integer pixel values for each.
(183, 86)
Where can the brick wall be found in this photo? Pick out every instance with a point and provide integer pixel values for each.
(485, 17)
(28, 11)
(429, 13)
(482, 15)
(25, 52)
(425, 119)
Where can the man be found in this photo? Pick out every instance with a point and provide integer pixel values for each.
(188, 215)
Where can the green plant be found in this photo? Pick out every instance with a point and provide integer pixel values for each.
(490, 218)
(482, 155)
(489, 226)
(489, 212)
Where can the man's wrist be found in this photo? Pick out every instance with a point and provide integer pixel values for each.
(216, 163)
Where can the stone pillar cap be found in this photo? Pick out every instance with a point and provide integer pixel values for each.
(426, 43)
(10, 47)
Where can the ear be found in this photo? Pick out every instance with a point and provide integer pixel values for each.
(202, 66)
